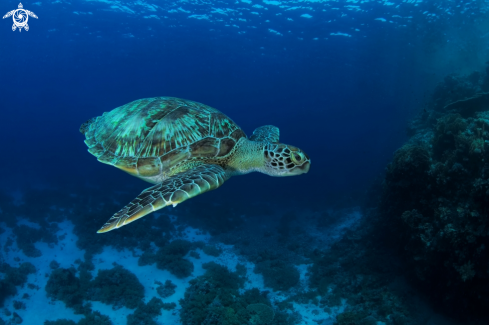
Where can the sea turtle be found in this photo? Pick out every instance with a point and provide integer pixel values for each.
(20, 17)
(185, 148)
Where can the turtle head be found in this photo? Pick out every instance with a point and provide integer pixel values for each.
(285, 160)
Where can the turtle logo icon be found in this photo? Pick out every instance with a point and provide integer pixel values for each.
(20, 17)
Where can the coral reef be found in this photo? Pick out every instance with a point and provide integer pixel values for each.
(214, 298)
(277, 274)
(27, 236)
(355, 318)
(358, 272)
(95, 318)
(18, 305)
(435, 200)
(59, 322)
(454, 88)
(145, 313)
(170, 257)
(118, 287)
(54, 265)
(148, 257)
(65, 286)
(211, 250)
(166, 290)
(260, 314)
(15, 319)
(13, 277)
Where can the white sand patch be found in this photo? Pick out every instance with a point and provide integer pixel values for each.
(194, 235)
(254, 280)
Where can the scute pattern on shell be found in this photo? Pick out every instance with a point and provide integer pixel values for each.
(151, 135)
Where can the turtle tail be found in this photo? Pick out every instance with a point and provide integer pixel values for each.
(85, 126)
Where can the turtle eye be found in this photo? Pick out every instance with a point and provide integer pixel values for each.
(297, 157)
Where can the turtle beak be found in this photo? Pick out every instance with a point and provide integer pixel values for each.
(302, 169)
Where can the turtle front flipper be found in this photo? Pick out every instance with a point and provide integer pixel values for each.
(172, 191)
(266, 133)
(8, 14)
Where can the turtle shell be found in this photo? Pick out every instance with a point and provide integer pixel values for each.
(149, 136)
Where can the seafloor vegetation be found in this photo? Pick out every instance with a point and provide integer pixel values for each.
(424, 224)
(341, 278)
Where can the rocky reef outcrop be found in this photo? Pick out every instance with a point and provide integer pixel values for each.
(434, 204)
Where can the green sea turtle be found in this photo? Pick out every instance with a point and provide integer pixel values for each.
(185, 148)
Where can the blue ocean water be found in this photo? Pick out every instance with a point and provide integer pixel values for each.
(340, 79)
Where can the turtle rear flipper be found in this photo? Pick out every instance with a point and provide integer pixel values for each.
(14, 27)
(266, 133)
(172, 191)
